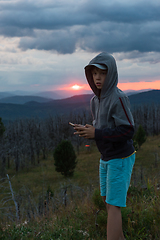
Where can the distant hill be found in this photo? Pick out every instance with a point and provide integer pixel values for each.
(55, 94)
(131, 92)
(73, 104)
(62, 94)
(30, 109)
(50, 94)
(63, 106)
(45, 94)
(24, 99)
(6, 94)
(148, 97)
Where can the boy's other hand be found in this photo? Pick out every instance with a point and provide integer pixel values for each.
(87, 131)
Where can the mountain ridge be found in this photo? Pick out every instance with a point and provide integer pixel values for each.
(23, 99)
(76, 104)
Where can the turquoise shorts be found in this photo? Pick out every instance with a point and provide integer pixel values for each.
(115, 176)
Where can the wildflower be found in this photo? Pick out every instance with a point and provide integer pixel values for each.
(84, 233)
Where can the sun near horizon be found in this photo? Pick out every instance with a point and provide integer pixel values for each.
(76, 87)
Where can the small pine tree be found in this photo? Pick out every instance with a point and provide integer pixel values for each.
(2, 128)
(140, 136)
(2, 162)
(65, 158)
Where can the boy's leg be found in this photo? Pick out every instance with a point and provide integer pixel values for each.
(114, 223)
(117, 182)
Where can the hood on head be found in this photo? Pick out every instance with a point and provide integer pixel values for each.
(111, 80)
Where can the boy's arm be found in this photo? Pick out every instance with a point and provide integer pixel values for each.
(124, 123)
(117, 134)
(87, 131)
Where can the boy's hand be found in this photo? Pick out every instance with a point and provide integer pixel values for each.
(87, 131)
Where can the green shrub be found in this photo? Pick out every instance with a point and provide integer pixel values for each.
(140, 137)
(2, 128)
(65, 158)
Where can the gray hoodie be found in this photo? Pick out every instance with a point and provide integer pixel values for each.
(110, 108)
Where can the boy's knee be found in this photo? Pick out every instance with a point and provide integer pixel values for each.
(112, 208)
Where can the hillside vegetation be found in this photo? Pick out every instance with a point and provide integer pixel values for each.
(17, 107)
(54, 207)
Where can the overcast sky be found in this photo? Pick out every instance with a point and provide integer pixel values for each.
(45, 44)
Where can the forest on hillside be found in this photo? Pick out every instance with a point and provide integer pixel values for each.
(25, 140)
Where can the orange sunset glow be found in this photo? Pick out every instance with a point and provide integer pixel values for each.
(76, 87)
(123, 86)
(139, 85)
(126, 86)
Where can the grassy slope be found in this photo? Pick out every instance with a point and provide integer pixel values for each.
(86, 172)
(77, 220)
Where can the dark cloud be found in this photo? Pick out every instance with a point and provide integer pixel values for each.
(136, 56)
(63, 41)
(124, 12)
(13, 31)
(104, 36)
(89, 25)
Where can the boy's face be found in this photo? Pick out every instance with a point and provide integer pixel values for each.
(99, 77)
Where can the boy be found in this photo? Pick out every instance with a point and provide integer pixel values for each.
(113, 128)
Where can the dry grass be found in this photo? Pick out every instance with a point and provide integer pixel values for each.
(148, 156)
(77, 219)
(44, 175)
